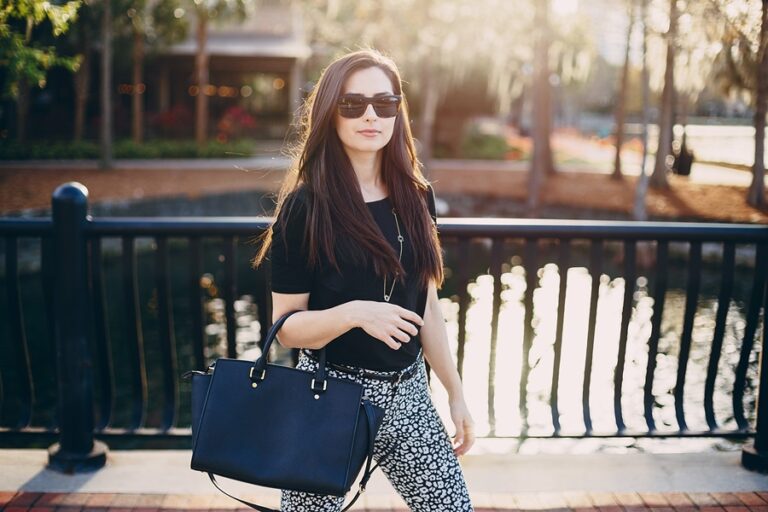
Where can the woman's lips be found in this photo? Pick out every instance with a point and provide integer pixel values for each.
(368, 133)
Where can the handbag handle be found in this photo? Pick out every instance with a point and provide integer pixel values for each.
(259, 369)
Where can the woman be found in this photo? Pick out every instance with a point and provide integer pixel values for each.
(354, 246)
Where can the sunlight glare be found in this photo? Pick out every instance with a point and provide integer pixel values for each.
(565, 7)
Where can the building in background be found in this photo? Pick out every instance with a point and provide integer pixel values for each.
(255, 77)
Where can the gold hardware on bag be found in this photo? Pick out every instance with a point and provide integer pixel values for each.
(250, 374)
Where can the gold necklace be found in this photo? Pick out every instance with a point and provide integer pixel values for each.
(399, 239)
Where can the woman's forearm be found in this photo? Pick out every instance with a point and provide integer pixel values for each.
(315, 329)
(434, 341)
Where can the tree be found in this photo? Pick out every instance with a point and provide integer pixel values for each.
(622, 99)
(152, 22)
(689, 53)
(105, 134)
(641, 190)
(542, 161)
(441, 44)
(756, 192)
(137, 24)
(205, 11)
(434, 42)
(666, 116)
(742, 66)
(27, 62)
(79, 41)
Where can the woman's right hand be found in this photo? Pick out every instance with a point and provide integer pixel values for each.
(387, 322)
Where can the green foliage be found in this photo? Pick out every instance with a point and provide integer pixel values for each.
(736, 66)
(11, 150)
(166, 28)
(487, 146)
(23, 59)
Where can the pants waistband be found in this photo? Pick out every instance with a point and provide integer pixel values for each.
(397, 376)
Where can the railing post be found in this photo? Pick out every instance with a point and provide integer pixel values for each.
(77, 450)
(754, 455)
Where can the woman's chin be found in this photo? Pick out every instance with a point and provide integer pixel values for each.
(363, 147)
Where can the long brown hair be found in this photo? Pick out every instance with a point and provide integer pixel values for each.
(335, 207)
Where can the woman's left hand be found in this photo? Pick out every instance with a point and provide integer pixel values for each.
(465, 426)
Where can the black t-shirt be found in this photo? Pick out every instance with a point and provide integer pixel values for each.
(328, 288)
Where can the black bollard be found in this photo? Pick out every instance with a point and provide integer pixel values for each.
(77, 450)
(754, 455)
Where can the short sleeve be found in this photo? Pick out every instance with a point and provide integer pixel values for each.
(289, 269)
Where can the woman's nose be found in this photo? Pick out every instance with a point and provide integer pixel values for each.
(370, 113)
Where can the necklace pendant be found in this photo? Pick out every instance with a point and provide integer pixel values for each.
(386, 298)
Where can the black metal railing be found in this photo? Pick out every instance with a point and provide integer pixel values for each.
(78, 316)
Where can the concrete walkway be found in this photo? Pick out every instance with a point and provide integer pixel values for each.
(140, 480)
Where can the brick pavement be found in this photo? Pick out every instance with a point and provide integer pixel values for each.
(520, 502)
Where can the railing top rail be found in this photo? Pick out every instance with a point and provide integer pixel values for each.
(449, 226)
(25, 227)
(178, 225)
(603, 229)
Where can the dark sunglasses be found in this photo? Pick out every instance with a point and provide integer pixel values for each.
(354, 106)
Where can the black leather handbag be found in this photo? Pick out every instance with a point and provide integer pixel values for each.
(282, 427)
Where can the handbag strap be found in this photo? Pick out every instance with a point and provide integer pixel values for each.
(368, 407)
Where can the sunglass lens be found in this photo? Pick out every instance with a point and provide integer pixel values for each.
(352, 107)
(386, 107)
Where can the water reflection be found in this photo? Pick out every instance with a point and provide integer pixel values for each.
(509, 353)
(247, 334)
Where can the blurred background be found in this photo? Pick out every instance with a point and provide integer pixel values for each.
(542, 87)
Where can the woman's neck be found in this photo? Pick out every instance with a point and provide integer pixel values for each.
(367, 167)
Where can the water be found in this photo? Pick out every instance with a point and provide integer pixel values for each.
(733, 144)
(541, 357)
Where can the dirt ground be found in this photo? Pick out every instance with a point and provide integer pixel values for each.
(31, 189)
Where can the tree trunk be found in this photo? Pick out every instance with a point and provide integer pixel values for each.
(82, 79)
(201, 72)
(22, 110)
(106, 87)
(548, 121)
(659, 177)
(137, 92)
(516, 112)
(542, 152)
(22, 100)
(622, 99)
(639, 212)
(427, 116)
(756, 191)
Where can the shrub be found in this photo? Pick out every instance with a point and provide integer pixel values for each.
(235, 123)
(173, 122)
(477, 144)
(125, 148)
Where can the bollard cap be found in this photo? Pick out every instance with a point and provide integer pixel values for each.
(71, 192)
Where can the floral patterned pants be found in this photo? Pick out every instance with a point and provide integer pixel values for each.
(419, 462)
